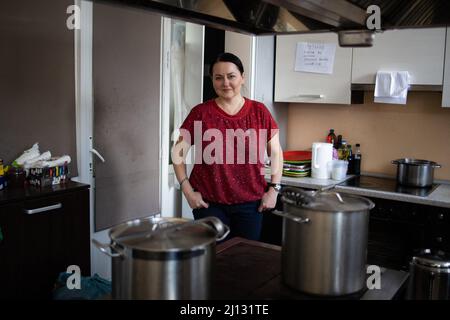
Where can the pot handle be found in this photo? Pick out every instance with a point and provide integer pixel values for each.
(437, 165)
(103, 247)
(291, 217)
(222, 229)
(395, 162)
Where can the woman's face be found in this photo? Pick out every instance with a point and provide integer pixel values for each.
(227, 80)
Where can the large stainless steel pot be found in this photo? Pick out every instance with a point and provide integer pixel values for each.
(415, 172)
(324, 242)
(163, 258)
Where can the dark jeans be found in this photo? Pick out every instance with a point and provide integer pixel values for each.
(243, 219)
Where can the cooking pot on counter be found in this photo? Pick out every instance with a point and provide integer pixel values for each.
(415, 172)
(324, 241)
(163, 258)
(429, 276)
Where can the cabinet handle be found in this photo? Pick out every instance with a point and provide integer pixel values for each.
(43, 209)
(311, 96)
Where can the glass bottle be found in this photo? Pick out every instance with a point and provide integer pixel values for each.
(350, 160)
(357, 160)
(338, 143)
(343, 151)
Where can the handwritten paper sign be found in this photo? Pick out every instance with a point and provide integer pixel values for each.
(315, 57)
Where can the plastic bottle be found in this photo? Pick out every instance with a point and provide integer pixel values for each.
(331, 138)
(357, 160)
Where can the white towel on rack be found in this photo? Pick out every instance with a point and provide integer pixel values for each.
(391, 87)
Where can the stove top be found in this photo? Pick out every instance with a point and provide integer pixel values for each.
(386, 184)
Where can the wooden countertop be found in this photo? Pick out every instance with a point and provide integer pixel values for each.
(247, 270)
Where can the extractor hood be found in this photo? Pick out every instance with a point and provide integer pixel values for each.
(298, 16)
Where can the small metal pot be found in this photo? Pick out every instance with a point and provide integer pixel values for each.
(163, 258)
(415, 172)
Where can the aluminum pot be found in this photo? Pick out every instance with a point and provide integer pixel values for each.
(163, 258)
(415, 172)
(324, 244)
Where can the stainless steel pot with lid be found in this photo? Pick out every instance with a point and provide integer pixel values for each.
(324, 241)
(429, 276)
(163, 258)
(415, 172)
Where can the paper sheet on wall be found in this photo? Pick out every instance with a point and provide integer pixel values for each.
(315, 57)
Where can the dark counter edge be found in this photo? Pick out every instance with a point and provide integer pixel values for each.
(13, 194)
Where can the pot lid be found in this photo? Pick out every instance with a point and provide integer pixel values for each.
(163, 234)
(432, 258)
(327, 201)
(415, 162)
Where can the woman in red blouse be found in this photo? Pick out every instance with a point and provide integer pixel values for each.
(231, 135)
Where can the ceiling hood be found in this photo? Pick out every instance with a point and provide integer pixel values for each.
(298, 16)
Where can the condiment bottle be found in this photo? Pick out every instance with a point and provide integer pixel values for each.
(331, 138)
(357, 160)
(351, 159)
(343, 151)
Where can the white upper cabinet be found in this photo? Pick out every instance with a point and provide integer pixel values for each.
(418, 51)
(294, 86)
(446, 86)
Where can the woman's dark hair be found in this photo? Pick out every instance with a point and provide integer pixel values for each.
(227, 57)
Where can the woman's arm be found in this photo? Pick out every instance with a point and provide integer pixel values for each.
(276, 158)
(269, 200)
(179, 153)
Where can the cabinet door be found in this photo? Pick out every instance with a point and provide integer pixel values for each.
(10, 241)
(446, 85)
(418, 51)
(70, 233)
(293, 86)
(55, 235)
(37, 279)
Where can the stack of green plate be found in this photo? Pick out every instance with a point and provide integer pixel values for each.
(297, 163)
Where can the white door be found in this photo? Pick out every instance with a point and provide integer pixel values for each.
(182, 89)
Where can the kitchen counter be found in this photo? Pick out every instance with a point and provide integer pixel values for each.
(12, 194)
(440, 197)
(247, 270)
(308, 182)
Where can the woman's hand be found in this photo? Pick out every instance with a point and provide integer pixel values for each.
(195, 200)
(269, 200)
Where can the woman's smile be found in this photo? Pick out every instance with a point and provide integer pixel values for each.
(227, 80)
